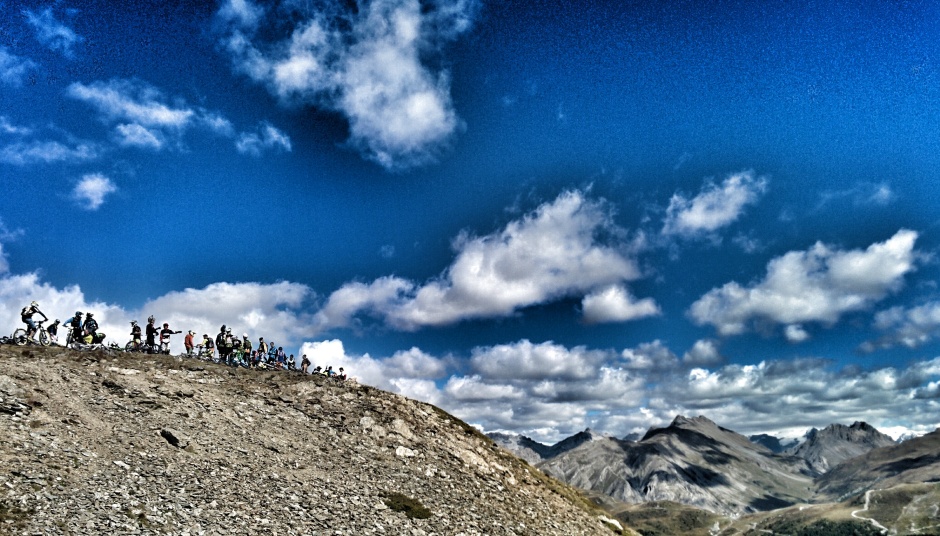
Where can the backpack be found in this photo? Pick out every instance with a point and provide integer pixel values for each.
(25, 311)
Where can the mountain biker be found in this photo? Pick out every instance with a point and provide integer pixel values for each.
(135, 334)
(75, 324)
(188, 342)
(151, 332)
(220, 343)
(165, 338)
(53, 331)
(207, 346)
(281, 356)
(262, 348)
(90, 329)
(246, 344)
(304, 364)
(341, 375)
(26, 315)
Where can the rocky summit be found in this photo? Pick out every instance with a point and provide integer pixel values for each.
(92, 443)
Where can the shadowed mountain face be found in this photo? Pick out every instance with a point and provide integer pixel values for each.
(915, 460)
(693, 462)
(827, 448)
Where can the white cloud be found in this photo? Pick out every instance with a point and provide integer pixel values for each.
(616, 304)
(52, 33)
(551, 253)
(911, 327)
(650, 356)
(704, 353)
(24, 153)
(132, 101)
(819, 284)
(795, 333)
(267, 137)
(91, 191)
(545, 361)
(13, 68)
(134, 135)
(375, 65)
(716, 206)
(6, 127)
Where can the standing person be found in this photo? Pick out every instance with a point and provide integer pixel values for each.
(207, 346)
(75, 326)
(246, 346)
(188, 342)
(272, 353)
(304, 364)
(262, 348)
(165, 338)
(151, 334)
(220, 343)
(26, 315)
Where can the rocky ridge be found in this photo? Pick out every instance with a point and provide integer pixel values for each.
(827, 448)
(150, 445)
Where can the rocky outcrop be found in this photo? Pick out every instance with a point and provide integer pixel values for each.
(93, 444)
(827, 448)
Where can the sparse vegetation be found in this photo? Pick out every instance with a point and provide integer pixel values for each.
(406, 505)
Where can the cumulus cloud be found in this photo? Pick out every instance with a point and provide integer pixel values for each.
(268, 137)
(910, 327)
(616, 304)
(816, 285)
(553, 252)
(13, 69)
(52, 33)
(716, 206)
(91, 190)
(704, 353)
(378, 65)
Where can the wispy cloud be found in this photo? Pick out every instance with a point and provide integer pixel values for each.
(13, 69)
(816, 285)
(91, 191)
(551, 253)
(144, 117)
(374, 64)
(24, 153)
(862, 194)
(716, 206)
(52, 33)
(266, 138)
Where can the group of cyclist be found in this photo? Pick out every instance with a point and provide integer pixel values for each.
(232, 350)
(83, 328)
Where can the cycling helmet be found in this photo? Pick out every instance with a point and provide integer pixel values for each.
(151, 319)
(34, 304)
(205, 335)
(89, 315)
(78, 313)
(244, 335)
(166, 325)
(133, 322)
(222, 328)
(229, 330)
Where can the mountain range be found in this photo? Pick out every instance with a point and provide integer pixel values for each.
(697, 463)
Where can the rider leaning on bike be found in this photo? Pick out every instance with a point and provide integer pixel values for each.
(26, 315)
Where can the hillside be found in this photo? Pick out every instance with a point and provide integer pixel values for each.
(144, 445)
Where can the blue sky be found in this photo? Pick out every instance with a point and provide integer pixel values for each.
(542, 217)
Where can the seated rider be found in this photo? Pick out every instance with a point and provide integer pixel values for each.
(90, 329)
(341, 375)
(135, 333)
(53, 331)
(26, 315)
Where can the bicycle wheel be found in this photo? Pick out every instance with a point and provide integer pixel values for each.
(19, 337)
(129, 347)
(43, 337)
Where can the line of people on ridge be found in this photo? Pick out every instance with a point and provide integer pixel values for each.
(232, 350)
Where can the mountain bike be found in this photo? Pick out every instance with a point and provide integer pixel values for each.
(20, 338)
